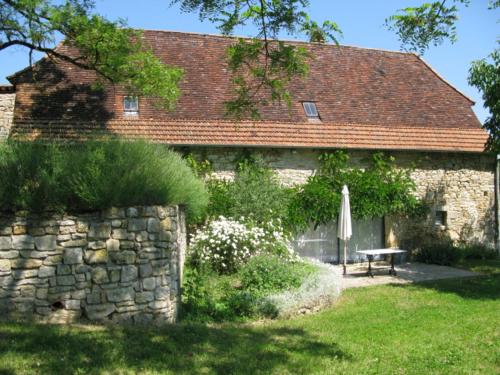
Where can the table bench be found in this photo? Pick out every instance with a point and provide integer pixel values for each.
(371, 253)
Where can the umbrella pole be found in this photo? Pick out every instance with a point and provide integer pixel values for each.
(345, 256)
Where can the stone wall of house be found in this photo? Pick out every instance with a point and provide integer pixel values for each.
(7, 100)
(120, 265)
(461, 184)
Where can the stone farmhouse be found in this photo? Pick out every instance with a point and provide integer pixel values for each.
(358, 99)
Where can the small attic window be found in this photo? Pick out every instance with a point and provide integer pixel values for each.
(131, 105)
(310, 110)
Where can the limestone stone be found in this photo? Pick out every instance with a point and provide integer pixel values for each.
(129, 273)
(5, 243)
(112, 244)
(166, 224)
(116, 223)
(72, 304)
(26, 263)
(74, 243)
(53, 259)
(120, 294)
(46, 243)
(145, 270)
(4, 265)
(114, 275)
(144, 297)
(67, 229)
(33, 254)
(153, 225)
(149, 283)
(99, 312)
(96, 245)
(82, 227)
(95, 257)
(100, 275)
(23, 242)
(158, 304)
(135, 225)
(9, 254)
(19, 229)
(66, 280)
(120, 234)
(123, 257)
(132, 212)
(63, 269)
(46, 271)
(162, 293)
(73, 255)
(114, 213)
(24, 274)
(41, 293)
(100, 231)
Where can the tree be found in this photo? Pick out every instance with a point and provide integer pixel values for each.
(432, 23)
(117, 53)
(485, 76)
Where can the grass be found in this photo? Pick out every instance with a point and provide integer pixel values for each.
(445, 327)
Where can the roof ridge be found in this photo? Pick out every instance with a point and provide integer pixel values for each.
(222, 36)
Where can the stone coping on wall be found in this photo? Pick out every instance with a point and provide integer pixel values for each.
(119, 265)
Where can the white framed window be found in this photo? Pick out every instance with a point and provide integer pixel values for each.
(131, 105)
(310, 110)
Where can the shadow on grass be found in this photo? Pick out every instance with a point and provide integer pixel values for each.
(480, 287)
(176, 349)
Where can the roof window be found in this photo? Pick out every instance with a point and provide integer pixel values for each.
(131, 105)
(310, 110)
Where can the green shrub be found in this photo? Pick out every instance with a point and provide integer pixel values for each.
(266, 274)
(479, 251)
(96, 175)
(440, 251)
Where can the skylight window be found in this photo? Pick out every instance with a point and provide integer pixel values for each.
(310, 110)
(131, 105)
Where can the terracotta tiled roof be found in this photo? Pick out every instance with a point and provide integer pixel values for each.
(366, 99)
(262, 134)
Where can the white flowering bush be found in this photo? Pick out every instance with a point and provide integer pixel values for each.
(225, 244)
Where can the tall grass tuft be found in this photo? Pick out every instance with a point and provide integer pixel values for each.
(95, 175)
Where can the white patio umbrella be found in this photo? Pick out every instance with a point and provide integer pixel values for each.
(345, 227)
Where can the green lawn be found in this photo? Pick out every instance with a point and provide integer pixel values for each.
(447, 327)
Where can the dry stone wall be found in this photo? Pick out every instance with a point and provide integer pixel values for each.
(120, 265)
(7, 101)
(460, 184)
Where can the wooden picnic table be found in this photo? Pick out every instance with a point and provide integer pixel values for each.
(371, 253)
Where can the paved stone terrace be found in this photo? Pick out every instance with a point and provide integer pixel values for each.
(406, 273)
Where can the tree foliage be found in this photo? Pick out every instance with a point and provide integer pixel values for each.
(116, 52)
(485, 75)
(262, 66)
(430, 23)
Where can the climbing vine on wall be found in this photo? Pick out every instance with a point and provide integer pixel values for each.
(375, 191)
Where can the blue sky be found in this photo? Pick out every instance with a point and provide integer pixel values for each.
(362, 22)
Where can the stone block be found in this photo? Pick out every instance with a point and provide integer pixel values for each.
(5, 265)
(99, 312)
(82, 227)
(67, 229)
(73, 256)
(63, 237)
(37, 231)
(5, 229)
(33, 254)
(75, 243)
(136, 225)
(96, 257)
(25, 263)
(166, 224)
(96, 245)
(123, 257)
(23, 242)
(41, 293)
(64, 316)
(114, 275)
(155, 305)
(116, 223)
(120, 294)
(112, 245)
(154, 225)
(144, 297)
(63, 269)
(78, 294)
(28, 291)
(46, 271)
(10, 254)
(100, 231)
(114, 213)
(145, 270)
(149, 283)
(66, 222)
(72, 304)
(19, 229)
(100, 275)
(46, 243)
(132, 212)
(53, 259)
(129, 273)
(66, 280)
(94, 298)
(5, 243)
(162, 292)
